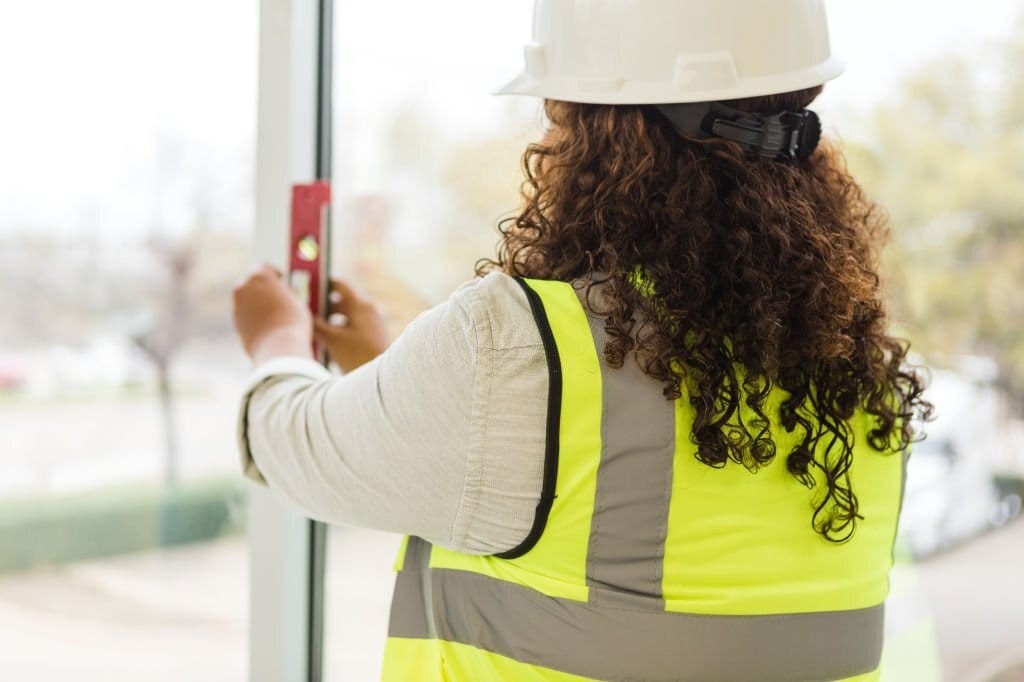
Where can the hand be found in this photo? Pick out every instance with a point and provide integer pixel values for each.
(269, 318)
(360, 335)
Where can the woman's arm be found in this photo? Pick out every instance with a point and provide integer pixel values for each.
(418, 440)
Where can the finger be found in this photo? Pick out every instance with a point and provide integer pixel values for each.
(321, 329)
(271, 270)
(336, 323)
(325, 331)
(346, 290)
(338, 305)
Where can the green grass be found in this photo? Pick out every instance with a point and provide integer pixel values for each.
(47, 530)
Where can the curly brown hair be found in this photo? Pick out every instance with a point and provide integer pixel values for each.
(756, 274)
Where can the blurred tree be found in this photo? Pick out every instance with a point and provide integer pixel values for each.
(946, 159)
(447, 191)
(483, 177)
(164, 333)
(184, 296)
(67, 288)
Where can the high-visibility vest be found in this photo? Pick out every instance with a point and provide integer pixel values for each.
(644, 563)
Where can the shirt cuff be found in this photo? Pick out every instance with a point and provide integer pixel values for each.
(272, 369)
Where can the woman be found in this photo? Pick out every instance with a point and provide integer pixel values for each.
(660, 436)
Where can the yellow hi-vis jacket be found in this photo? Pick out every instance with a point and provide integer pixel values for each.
(645, 564)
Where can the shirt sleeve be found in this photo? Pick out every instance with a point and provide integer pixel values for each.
(401, 443)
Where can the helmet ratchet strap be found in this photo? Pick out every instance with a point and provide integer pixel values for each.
(787, 136)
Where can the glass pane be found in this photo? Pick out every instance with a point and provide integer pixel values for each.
(127, 137)
(413, 213)
(926, 120)
(427, 163)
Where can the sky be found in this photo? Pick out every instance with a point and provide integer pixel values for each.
(117, 114)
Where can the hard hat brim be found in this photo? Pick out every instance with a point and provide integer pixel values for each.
(625, 92)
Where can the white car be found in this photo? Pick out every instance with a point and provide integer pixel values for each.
(951, 493)
(947, 500)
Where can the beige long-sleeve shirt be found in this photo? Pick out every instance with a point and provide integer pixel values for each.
(441, 437)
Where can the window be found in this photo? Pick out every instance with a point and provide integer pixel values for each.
(128, 138)
(126, 213)
(413, 212)
(426, 163)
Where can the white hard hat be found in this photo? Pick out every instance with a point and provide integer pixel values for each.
(674, 51)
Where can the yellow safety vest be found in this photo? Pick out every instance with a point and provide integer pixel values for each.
(643, 563)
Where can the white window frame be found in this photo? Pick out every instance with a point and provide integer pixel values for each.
(293, 146)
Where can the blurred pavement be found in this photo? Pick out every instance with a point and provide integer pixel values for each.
(180, 614)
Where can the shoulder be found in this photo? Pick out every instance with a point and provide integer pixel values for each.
(505, 459)
(500, 312)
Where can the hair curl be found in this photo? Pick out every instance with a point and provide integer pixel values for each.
(756, 274)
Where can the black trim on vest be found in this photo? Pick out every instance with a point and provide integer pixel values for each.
(547, 494)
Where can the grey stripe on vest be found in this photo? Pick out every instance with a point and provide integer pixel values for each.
(634, 484)
(411, 615)
(621, 644)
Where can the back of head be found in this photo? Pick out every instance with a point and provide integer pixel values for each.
(728, 273)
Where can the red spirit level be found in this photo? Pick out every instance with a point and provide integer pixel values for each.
(308, 266)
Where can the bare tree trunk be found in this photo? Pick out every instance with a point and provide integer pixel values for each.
(162, 342)
(172, 473)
